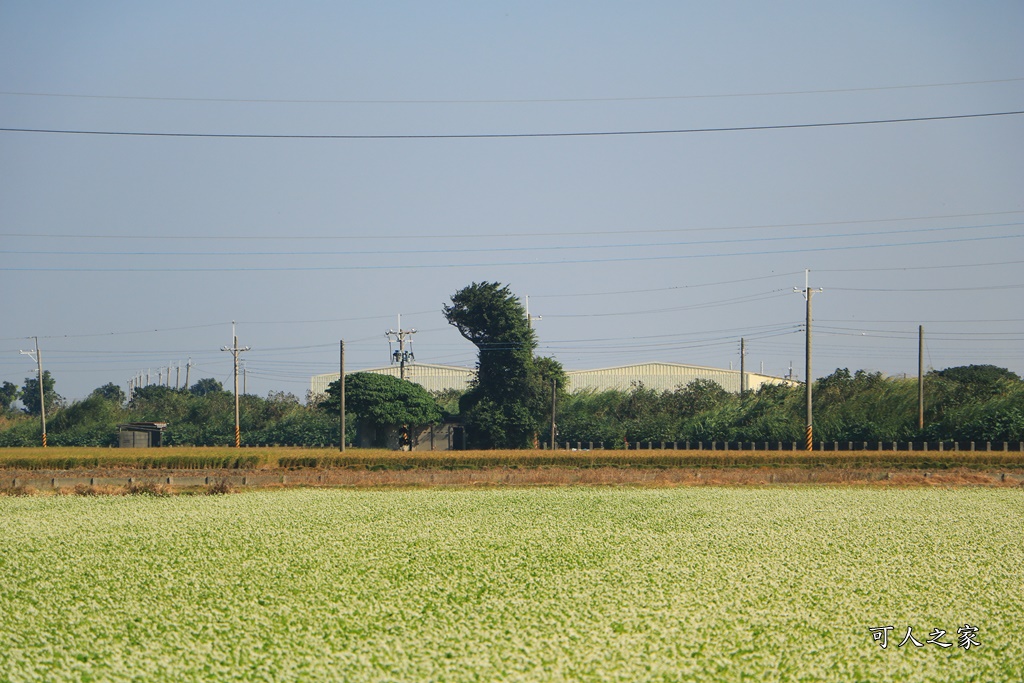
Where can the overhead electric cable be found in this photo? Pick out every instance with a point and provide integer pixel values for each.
(625, 259)
(650, 98)
(479, 136)
(531, 248)
(391, 236)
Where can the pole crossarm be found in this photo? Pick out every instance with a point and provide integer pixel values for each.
(234, 349)
(400, 355)
(37, 356)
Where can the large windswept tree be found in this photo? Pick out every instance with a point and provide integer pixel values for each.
(506, 402)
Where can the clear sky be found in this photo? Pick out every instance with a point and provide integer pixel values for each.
(130, 253)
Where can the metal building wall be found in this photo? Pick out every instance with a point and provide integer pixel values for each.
(663, 377)
(656, 376)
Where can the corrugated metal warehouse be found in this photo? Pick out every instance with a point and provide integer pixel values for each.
(658, 376)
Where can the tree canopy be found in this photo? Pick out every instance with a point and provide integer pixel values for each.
(384, 401)
(109, 392)
(510, 396)
(9, 393)
(30, 394)
(205, 386)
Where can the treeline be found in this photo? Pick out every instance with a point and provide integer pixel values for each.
(970, 403)
(203, 415)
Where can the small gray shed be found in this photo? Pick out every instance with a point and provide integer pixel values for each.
(141, 434)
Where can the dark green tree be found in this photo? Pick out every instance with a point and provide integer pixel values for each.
(109, 392)
(30, 394)
(509, 399)
(9, 393)
(383, 401)
(205, 386)
(972, 383)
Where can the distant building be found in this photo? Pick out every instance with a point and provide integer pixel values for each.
(656, 375)
(141, 434)
(665, 377)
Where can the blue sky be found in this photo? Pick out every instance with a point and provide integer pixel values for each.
(130, 253)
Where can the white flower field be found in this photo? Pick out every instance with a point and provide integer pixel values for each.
(530, 584)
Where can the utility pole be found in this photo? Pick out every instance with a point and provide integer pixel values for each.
(341, 392)
(808, 380)
(188, 368)
(37, 355)
(743, 366)
(400, 355)
(920, 377)
(554, 393)
(234, 352)
(531, 318)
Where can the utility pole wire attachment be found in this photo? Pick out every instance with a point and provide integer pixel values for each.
(235, 350)
(37, 356)
(400, 355)
(808, 380)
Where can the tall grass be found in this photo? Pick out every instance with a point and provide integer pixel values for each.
(69, 458)
(380, 459)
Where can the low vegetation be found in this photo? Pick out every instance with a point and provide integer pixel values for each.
(695, 584)
(225, 458)
(973, 403)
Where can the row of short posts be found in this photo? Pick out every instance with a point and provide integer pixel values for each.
(939, 446)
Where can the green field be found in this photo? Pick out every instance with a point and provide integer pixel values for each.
(766, 584)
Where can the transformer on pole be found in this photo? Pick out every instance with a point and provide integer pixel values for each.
(400, 355)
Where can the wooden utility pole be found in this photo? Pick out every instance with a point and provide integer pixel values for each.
(235, 350)
(809, 379)
(341, 393)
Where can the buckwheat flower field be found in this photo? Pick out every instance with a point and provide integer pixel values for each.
(542, 584)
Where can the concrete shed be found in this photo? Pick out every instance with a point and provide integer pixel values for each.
(141, 434)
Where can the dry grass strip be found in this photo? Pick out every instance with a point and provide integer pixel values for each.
(227, 481)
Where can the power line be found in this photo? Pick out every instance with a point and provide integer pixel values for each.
(570, 247)
(148, 269)
(483, 136)
(924, 289)
(390, 236)
(650, 98)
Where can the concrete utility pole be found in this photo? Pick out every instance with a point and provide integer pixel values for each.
(808, 381)
(341, 393)
(531, 318)
(234, 352)
(188, 369)
(554, 393)
(743, 365)
(37, 355)
(400, 355)
(920, 377)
